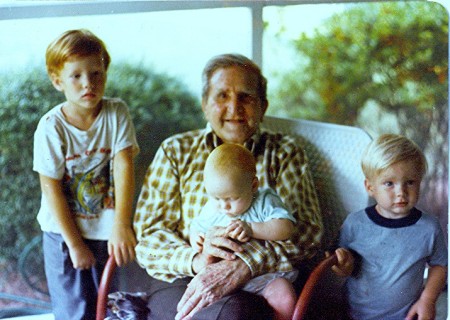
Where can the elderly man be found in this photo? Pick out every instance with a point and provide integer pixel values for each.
(206, 285)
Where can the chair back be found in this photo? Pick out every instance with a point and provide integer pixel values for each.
(334, 153)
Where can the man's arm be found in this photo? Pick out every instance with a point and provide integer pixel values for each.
(160, 249)
(211, 284)
(296, 188)
(288, 174)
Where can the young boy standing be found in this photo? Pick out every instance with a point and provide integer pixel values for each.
(244, 212)
(83, 152)
(386, 247)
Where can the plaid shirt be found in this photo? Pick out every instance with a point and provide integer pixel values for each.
(173, 194)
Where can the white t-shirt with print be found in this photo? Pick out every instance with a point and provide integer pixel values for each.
(83, 160)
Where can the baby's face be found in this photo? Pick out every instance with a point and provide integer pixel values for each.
(396, 189)
(231, 196)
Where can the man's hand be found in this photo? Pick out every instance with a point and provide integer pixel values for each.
(218, 244)
(121, 243)
(239, 230)
(211, 284)
(201, 261)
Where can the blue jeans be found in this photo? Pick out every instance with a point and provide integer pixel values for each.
(73, 292)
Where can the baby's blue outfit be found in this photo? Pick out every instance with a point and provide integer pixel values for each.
(266, 206)
(394, 254)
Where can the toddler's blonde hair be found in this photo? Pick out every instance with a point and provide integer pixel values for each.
(389, 149)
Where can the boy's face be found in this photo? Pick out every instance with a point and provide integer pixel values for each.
(396, 189)
(82, 80)
(232, 196)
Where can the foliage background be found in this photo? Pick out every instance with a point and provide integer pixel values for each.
(383, 67)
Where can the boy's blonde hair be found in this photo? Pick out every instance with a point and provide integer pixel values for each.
(389, 149)
(233, 159)
(74, 43)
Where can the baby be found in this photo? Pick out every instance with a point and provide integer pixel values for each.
(246, 212)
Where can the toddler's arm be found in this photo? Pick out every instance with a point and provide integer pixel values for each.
(425, 307)
(346, 263)
(123, 240)
(275, 230)
(80, 254)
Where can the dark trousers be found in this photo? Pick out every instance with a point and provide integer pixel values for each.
(73, 292)
(241, 305)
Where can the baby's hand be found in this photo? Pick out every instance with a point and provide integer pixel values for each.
(122, 242)
(200, 239)
(239, 230)
(345, 265)
(82, 257)
(201, 261)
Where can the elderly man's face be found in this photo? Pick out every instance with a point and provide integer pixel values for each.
(233, 107)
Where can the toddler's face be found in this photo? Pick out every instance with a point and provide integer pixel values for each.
(231, 196)
(396, 189)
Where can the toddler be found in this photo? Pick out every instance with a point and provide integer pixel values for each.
(386, 247)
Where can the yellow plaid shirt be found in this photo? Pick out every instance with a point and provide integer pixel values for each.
(173, 194)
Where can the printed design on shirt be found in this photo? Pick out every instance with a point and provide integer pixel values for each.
(89, 186)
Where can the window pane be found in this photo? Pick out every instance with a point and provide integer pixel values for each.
(176, 42)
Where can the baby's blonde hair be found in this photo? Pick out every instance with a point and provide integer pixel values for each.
(233, 159)
(74, 43)
(389, 149)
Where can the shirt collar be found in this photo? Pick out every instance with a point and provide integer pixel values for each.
(213, 141)
(409, 220)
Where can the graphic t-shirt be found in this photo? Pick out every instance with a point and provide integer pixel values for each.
(83, 161)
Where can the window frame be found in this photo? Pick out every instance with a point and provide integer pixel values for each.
(49, 9)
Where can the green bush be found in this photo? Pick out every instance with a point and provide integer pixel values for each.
(160, 106)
